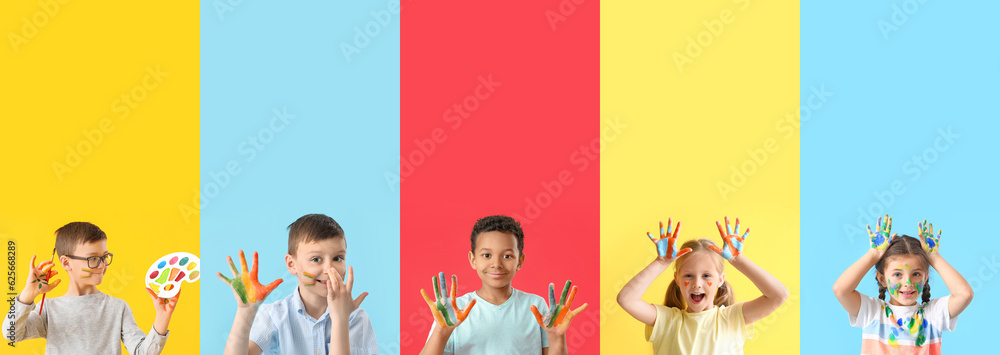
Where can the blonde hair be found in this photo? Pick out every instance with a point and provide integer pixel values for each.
(725, 297)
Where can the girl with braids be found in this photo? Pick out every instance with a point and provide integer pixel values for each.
(700, 314)
(910, 322)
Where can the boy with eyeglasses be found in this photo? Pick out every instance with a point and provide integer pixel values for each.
(84, 320)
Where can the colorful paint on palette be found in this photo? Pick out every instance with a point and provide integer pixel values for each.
(167, 273)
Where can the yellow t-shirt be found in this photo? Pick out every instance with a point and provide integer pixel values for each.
(719, 330)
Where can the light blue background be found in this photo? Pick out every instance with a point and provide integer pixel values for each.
(939, 70)
(330, 159)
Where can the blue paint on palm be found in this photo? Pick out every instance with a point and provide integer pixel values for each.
(878, 240)
(444, 301)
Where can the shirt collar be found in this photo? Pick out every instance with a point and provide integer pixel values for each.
(300, 308)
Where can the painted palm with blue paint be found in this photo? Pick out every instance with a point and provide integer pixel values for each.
(880, 238)
(666, 244)
(732, 242)
(444, 307)
(559, 314)
(927, 238)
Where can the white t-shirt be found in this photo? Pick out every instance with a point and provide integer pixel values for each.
(889, 329)
(508, 328)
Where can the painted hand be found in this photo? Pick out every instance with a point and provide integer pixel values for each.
(666, 245)
(559, 315)
(927, 238)
(732, 243)
(881, 238)
(245, 286)
(163, 306)
(39, 276)
(444, 307)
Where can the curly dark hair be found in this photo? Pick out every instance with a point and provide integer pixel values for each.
(498, 223)
(903, 245)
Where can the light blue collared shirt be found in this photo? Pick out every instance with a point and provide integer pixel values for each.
(284, 327)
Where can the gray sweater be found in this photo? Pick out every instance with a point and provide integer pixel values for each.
(91, 324)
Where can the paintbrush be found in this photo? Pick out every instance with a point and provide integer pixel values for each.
(51, 260)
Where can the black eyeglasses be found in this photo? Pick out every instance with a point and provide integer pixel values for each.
(94, 261)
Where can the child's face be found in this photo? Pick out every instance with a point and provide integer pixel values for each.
(79, 270)
(312, 259)
(905, 277)
(699, 280)
(496, 258)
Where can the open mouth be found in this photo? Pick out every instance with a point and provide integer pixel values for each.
(697, 297)
(907, 294)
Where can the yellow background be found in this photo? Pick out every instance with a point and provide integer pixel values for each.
(64, 81)
(684, 132)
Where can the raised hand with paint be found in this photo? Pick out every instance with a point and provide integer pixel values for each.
(881, 238)
(443, 307)
(39, 281)
(666, 244)
(699, 285)
(320, 314)
(559, 316)
(902, 265)
(928, 241)
(246, 289)
(82, 250)
(732, 242)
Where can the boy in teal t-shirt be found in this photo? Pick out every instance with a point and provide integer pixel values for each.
(503, 322)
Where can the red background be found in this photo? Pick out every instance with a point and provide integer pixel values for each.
(519, 139)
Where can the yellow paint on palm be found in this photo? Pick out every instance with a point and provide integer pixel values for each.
(695, 104)
(251, 291)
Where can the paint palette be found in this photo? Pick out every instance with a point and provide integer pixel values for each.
(164, 277)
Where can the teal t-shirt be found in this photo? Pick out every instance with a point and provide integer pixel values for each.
(509, 328)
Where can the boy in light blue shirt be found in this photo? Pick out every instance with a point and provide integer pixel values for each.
(320, 317)
(496, 319)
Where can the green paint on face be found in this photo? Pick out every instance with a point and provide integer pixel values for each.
(894, 289)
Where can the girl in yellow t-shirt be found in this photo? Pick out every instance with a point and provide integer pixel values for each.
(700, 315)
